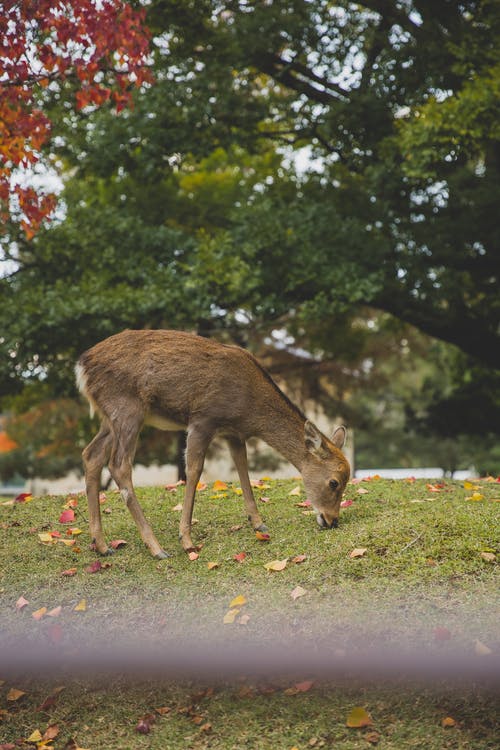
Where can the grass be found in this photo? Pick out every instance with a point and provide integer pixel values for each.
(423, 582)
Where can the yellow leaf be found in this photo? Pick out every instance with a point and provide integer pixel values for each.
(68, 542)
(276, 565)
(35, 736)
(14, 694)
(238, 490)
(212, 565)
(81, 606)
(46, 538)
(358, 718)
(75, 532)
(481, 649)
(296, 491)
(475, 497)
(238, 601)
(469, 485)
(230, 616)
(39, 613)
(358, 552)
(218, 485)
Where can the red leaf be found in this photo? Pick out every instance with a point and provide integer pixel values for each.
(22, 497)
(69, 572)
(67, 516)
(239, 557)
(115, 543)
(95, 567)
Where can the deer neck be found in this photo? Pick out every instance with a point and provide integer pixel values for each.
(283, 430)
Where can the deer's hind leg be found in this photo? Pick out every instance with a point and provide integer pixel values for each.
(95, 457)
(125, 434)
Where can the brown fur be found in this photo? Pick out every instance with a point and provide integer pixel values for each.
(177, 380)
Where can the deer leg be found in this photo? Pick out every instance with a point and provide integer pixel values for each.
(239, 456)
(120, 466)
(95, 456)
(198, 440)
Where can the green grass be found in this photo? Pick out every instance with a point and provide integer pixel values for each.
(422, 581)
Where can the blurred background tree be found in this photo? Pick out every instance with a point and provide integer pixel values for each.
(317, 181)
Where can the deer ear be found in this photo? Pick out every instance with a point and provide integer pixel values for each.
(339, 436)
(312, 437)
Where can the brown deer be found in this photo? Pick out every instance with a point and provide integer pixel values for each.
(174, 381)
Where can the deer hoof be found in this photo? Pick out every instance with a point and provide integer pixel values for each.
(161, 555)
(107, 553)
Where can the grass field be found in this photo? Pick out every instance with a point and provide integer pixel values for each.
(423, 581)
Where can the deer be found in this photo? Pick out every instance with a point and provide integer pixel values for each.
(175, 380)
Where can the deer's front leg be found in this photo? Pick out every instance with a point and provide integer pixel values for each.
(198, 439)
(239, 456)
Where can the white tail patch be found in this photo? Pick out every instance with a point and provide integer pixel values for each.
(81, 382)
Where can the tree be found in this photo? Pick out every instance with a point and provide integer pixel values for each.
(100, 48)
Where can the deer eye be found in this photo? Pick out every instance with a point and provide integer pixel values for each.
(333, 484)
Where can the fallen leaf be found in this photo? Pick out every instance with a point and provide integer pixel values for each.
(115, 543)
(73, 532)
(24, 497)
(358, 552)
(144, 725)
(372, 737)
(298, 592)
(163, 710)
(448, 721)
(212, 565)
(69, 572)
(346, 503)
(238, 490)
(441, 634)
(238, 601)
(296, 491)
(304, 504)
(21, 602)
(207, 727)
(480, 648)
(276, 565)
(264, 499)
(218, 485)
(237, 527)
(230, 616)
(239, 557)
(243, 620)
(262, 537)
(55, 534)
(299, 687)
(46, 538)
(201, 486)
(193, 556)
(35, 736)
(362, 491)
(81, 606)
(475, 497)
(67, 516)
(177, 507)
(488, 556)
(95, 567)
(68, 542)
(72, 502)
(469, 485)
(51, 732)
(55, 612)
(299, 559)
(358, 718)
(39, 613)
(14, 694)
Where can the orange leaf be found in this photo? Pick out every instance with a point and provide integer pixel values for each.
(201, 486)
(193, 556)
(448, 721)
(212, 565)
(298, 559)
(218, 485)
(358, 718)
(262, 537)
(238, 601)
(69, 572)
(14, 694)
(239, 557)
(39, 613)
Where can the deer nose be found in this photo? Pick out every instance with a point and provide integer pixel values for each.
(327, 524)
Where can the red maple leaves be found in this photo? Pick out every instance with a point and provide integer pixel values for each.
(102, 45)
